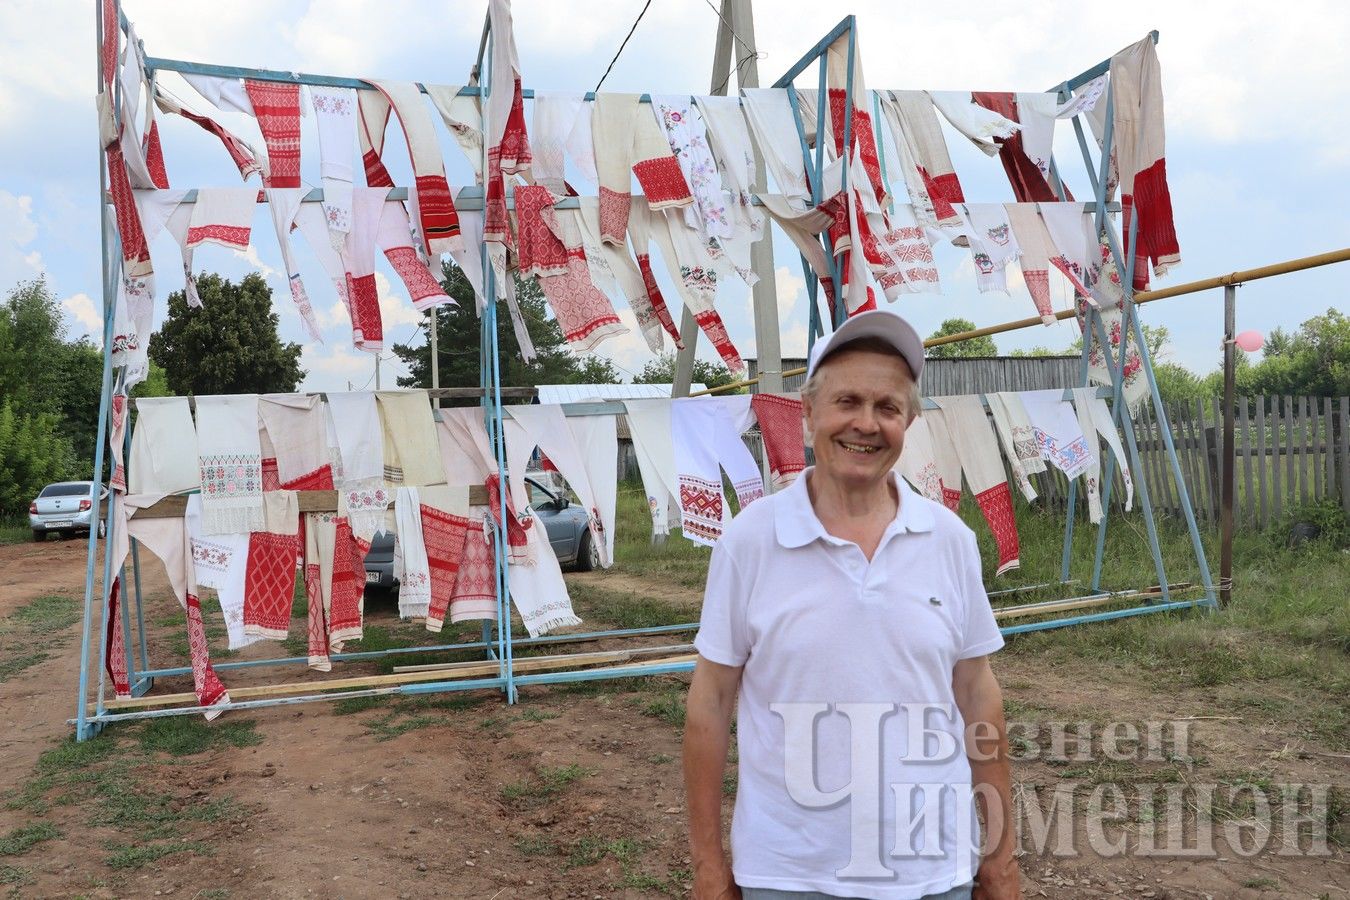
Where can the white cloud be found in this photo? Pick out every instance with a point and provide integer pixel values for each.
(789, 288)
(17, 231)
(334, 316)
(250, 255)
(84, 310)
(628, 352)
(396, 310)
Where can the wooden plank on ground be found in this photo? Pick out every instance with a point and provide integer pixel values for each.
(592, 658)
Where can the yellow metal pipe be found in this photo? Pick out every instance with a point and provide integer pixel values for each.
(1176, 290)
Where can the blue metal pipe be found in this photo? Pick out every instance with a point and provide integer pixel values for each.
(811, 55)
(1101, 617)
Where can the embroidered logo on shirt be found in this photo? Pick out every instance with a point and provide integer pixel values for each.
(935, 601)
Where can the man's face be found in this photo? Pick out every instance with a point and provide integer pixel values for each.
(857, 418)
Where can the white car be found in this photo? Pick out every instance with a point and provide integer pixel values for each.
(65, 507)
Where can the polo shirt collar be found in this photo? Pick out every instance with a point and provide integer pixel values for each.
(796, 523)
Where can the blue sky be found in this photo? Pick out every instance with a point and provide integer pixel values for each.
(1258, 163)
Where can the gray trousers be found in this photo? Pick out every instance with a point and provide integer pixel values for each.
(754, 893)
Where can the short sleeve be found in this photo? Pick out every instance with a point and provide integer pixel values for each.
(980, 634)
(722, 634)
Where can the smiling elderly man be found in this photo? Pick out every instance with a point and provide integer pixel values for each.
(850, 614)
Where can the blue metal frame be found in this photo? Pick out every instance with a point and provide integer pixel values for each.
(497, 641)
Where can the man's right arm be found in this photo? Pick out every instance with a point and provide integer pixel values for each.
(707, 728)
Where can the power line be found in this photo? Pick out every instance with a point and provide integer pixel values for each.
(621, 46)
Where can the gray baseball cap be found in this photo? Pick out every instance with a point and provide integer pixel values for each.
(876, 323)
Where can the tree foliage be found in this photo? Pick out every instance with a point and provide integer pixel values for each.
(227, 346)
(1314, 361)
(975, 347)
(458, 338)
(661, 370)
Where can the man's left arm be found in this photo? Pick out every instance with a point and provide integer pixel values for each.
(980, 701)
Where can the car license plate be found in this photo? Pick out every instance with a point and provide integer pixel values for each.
(61, 523)
(372, 577)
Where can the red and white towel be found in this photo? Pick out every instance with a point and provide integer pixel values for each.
(269, 582)
(296, 427)
(982, 467)
(993, 245)
(538, 249)
(465, 124)
(918, 461)
(444, 525)
(358, 260)
(687, 261)
(614, 120)
(221, 563)
(475, 593)
(768, 111)
(1025, 173)
(395, 239)
(410, 556)
(585, 315)
(508, 145)
(1037, 249)
(639, 237)
(244, 156)
(372, 115)
(222, 216)
(780, 425)
(707, 440)
(1095, 419)
(1018, 438)
(618, 272)
(230, 459)
(1139, 140)
(538, 590)
(277, 107)
(1077, 255)
(597, 440)
(710, 212)
(360, 440)
(435, 204)
(655, 166)
(925, 161)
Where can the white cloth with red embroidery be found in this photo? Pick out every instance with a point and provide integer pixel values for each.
(335, 119)
(358, 261)
(768, 111)
(706, 434)
(585, 315)
(562, 128)
(464, 122)
(221, 561)
(613, 126)
(649, 427)
(222, 216)
(613, 268)
(977, 450)
(360, 438)
(296, 426)
(657, 170)
(992, 244)
(410, 556)
(917, 463)
(1037, 250)
(695, 277)
(284, 205)
(925, 162)
(1018, 438)
(983, 127)
(230, 458)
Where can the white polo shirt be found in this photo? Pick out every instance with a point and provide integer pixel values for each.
(846, 663)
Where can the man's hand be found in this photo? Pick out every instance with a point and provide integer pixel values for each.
(715, 882)
(998, 879)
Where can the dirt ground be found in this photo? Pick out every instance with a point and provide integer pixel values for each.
(570, 794)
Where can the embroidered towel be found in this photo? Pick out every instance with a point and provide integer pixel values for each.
(945, 457)
(221, 562)
(1024, 174)
(925, 161)
(1018, 439)
(335, 118)
(361, 444)
(230, 458)
(372, 115)
(244, 157)
(780, 425)
(562, 127)
(414, 576)
(466, 454)
(277, 107)
(1076, 249)
(295, 424)
(649, 426)
(411, 433)
(538, 590)
(284, 205)
(1139, 141)
(706, 442)
(992, 244)
(465, 124)
(1037, 249)
(654, 165)
(435, 205)
(1058, 434)
(729, 138)
(443, 525)
(613, 126)
(312, 224)
(363, 300)
(625, 273)
(687, 262)
(538, 249)
(317, 598)
(918, 463)
(544, 425)
(1094, 418)
(687, 136)
(639, 237)
(222, 216)
(982, 467)
(163, 448)
(585, 315)
(395, 239)
(269, 587)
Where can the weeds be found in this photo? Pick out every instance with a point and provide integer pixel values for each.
(548, 783)
(188, 736)
(134, 856)
(21, 840)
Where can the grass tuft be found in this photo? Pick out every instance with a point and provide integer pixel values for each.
(23, 839)
(185, 736)
(134, 856)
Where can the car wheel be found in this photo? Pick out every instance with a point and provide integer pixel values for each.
(39, 535)
(67, 535)
(588, 555)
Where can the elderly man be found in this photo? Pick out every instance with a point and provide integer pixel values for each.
(849, 613)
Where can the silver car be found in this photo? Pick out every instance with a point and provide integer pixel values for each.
(65, 507)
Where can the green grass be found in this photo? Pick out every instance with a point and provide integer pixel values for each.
(352, 705)
(534, 845)
(595, 603)
(134, 856)
(15, 530)
(386, 728)
(13, 875)
(591, 849)
(47, 614)
(13, 665)
(668, 707)
(547, 783)
(21, 840)
(189, 735)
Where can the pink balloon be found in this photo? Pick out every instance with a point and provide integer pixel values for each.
(1251, 341)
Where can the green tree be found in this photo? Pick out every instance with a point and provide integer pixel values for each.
(1314, 361)
(32, 454)
(661, 370)
(458, 339)
(227, 346)
(980, 346)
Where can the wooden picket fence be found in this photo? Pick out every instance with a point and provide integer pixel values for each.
(1290, 452)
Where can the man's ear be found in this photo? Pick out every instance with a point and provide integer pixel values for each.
(806, 420)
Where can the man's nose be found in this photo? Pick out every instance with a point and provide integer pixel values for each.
(866, 419)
